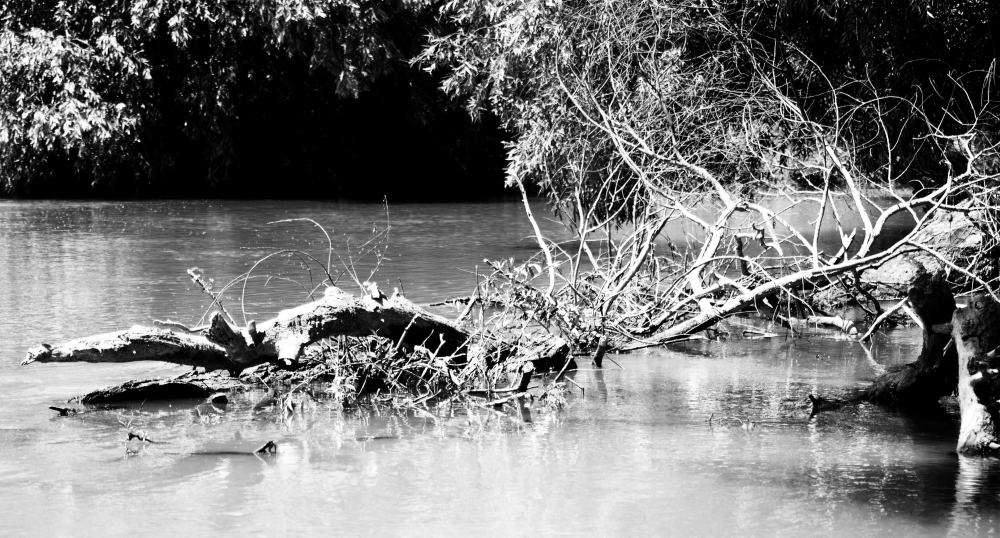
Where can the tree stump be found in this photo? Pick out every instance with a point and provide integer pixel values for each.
(935, 372)
(976, 330)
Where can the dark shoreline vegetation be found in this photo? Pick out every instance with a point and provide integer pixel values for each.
(232, 100)
(323, 99)
(727, 118)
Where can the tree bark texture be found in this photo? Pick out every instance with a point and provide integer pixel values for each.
(223, 347)
(187, 386)
(976, 330)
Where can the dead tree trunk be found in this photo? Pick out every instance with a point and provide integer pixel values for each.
(935, 372)
(187, 386)
(976, 330)
(223, 347)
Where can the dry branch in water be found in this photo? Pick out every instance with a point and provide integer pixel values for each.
(665, 142)
(367, 345)
(397, 348)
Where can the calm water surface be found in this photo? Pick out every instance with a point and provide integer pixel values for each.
(633, 453)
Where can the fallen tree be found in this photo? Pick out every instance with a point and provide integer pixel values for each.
(220, 346)
(697, 182)
(408, 347)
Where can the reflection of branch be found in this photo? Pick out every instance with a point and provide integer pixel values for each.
(877, 368)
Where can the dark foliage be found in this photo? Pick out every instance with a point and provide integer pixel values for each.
(939, 55)
(708, 78)
(267, 98)
(317, 97)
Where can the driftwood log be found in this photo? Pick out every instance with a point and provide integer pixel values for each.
(221, 346)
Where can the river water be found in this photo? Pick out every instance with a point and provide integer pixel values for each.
(632, 453)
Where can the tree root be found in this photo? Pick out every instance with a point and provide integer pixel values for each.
(935, 372)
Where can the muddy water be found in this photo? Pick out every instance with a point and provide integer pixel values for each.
(632, 453)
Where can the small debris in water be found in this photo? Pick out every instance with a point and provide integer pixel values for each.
(140, 435)
(364, 438)
(269, 447)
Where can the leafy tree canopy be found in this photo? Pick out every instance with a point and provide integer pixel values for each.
(197, 96)
(183, 95)
(600, 95)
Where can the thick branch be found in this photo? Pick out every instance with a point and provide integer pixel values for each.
(136, 344)
(934, 373)
(222, 347)
(341, 314)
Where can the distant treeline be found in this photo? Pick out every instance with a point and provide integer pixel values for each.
(256, 98)
(303, 98)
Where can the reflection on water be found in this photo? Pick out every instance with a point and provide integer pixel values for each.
(977, 497)
(633, 452)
